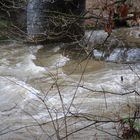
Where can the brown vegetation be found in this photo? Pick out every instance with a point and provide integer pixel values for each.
(99, 8)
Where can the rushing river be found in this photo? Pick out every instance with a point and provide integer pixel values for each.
(40, 83)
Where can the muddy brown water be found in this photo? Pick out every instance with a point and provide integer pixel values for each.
(36, 80)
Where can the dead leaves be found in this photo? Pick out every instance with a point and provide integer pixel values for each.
(123, 10)
(108, 28)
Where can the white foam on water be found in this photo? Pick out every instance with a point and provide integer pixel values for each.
(22, 65)
(28, 66)
(57, 61)
(33, 49)
(14, 92)
(111, 81)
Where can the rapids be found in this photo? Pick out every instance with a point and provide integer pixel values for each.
(35, 81)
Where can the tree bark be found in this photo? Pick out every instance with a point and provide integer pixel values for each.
(54, 20)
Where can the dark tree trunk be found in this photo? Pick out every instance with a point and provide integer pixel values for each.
(56, 20)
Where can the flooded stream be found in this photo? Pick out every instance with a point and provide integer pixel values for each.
(39, 83)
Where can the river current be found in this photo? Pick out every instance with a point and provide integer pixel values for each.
(41, 83)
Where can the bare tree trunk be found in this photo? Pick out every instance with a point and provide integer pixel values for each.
(48, 19)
